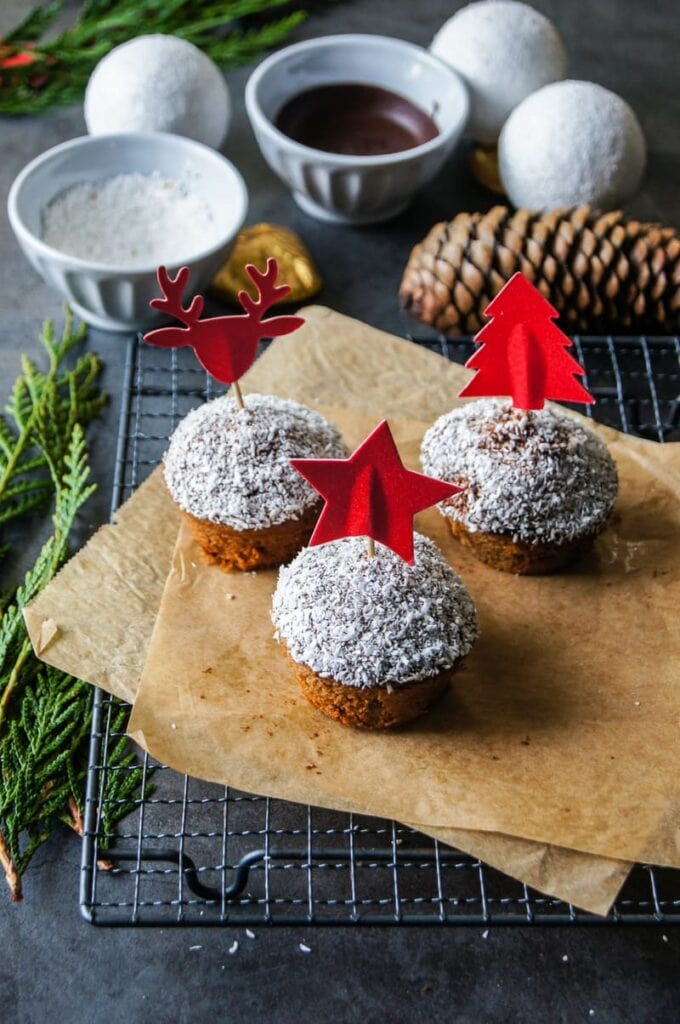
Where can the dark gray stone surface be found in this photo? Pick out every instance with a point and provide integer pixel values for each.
(53, 967)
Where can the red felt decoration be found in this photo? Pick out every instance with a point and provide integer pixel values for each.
(371, 494)
(225, 346)
(523, 352)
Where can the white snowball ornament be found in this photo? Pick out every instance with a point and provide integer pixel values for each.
(504, 50)
(571, 143)
(158, 83)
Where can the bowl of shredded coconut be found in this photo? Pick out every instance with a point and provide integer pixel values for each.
(97, 215)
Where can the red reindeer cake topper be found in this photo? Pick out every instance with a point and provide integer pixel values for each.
(523, 352)
(225, 346)
(371, 494)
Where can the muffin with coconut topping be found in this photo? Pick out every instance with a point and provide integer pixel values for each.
(373, 641)
(229, 471)
(538, 487)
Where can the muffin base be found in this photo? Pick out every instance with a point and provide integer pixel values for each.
(243, 550)
(501, 552)
(374, 708)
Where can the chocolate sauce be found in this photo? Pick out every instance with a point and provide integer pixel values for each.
(355, 120)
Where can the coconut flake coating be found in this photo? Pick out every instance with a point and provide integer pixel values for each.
(538, 476)
(378, 621)
(232, 467)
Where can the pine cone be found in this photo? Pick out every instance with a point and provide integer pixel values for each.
(604, 273)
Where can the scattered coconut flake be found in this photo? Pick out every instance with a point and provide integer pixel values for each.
(485, 934)
(565, 959)
(192, 948)
(538, 476)
(304, 948)
(233, 948)
(250, 933)
(373, 621)
(233, 467)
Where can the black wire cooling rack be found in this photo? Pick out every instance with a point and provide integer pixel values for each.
(195, 853)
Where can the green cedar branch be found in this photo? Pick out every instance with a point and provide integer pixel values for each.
(59, 68)
(45, 715)
(50, 401)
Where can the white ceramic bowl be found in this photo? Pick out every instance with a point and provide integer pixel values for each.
(117, 298)
(355, 189)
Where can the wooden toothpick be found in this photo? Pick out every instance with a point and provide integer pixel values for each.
(370, 547)
(236, 387)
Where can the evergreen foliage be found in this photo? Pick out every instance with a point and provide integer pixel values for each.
(37, 75)
(45, 715)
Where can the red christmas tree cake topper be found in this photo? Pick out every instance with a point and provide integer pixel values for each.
(371, 494)
(225, 346)
(523, 352)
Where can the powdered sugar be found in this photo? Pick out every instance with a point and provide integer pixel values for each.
(369, 622)
(131, 220)
(233, 467)
(538, 476)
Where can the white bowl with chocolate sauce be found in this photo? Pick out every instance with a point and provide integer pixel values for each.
(355, 124)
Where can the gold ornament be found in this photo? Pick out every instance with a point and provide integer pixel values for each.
(254, 245)
(484, 167)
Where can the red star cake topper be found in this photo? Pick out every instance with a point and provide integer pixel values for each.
(371, 494)
(523, 352)
(225, 346)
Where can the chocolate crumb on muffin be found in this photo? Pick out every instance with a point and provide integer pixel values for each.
(538, 487)
(373, 642)
(229, 471)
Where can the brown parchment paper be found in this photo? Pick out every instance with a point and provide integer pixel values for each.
(554, 732)
(144, 535)
(334, 359)
(95, 619)
(116, 574)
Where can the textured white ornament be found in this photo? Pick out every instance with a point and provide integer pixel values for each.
(571, 143)
(158, 83)
(504, 50)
